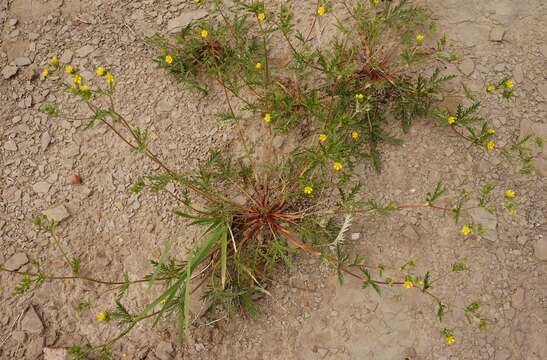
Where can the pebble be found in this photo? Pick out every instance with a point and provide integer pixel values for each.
(57, 213)
(55, 354)
(467, 67)
(180, 22)
(10, 145)
(66, 57)
(517, 300)
(497, 33)
(488, 221)
(9, 71)
(34, 348)
(85, 51)
(164, 350)
(540, 249)
(22, 61)
(31, 322)
(165, 105)
(45, 140)
(19, 336)
(71, 151)
(518, 73)
(17, 261)
(41, 187)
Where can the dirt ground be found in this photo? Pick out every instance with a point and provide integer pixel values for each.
(309, 316)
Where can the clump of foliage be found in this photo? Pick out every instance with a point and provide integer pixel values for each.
(338, 95)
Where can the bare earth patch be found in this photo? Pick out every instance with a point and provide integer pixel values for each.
(310, 316)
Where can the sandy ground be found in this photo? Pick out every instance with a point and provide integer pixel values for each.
(310, 316)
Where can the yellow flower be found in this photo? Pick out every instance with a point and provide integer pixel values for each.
(321, 10)
(490, 131)
(204, 33)
(258, 66)
(54, 61)
(490, 88)
(510, 194)
(109, 78)
(375, 2)
(451, 120)
(77, 79)
(359, 97)
(267, 117)
(490, 145)
(101, 316)
(101, 71)
(163, 301)
(322, 137)
(512, 211)
(355, 134)
(408, 284)
(45, 72)
(69, 69)
(509, 84)
(420, 38)
(450, 339)
(261, 17)
(84, 88)
(308, 190)
(168, 59)
(466, 230)
(337, 166)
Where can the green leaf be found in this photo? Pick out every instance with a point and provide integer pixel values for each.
(441, 310)
(436, 194)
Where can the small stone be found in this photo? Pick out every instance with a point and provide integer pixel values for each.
(165, 105)
(12, 22)
(355, 236)
(10, 145)
(540, 249)
(497, 33)
(409, 232)
(66, 57)
(41, 187)
(55, 354)
(542, 89)
(71, 151)
(75, 180)
(487, 220)
(22, 61)
(467, 67)
(57, 213)
(19, 336)
(34, 348)
(180, 22)
(45, 140)
(31, 322)
(85, 51)
(499, 67)
(517, 300)
(518, 74)
(17, 261)
(164, 350)
(9, 71)
(278, 141)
